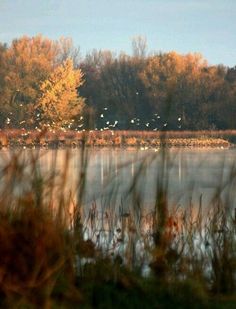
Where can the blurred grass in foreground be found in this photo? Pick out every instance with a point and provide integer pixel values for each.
(54, 255)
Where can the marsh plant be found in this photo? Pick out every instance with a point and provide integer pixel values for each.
(57, 251)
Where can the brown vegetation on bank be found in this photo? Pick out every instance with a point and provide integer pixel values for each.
(44, 138)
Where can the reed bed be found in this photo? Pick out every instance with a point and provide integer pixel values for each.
(115, 138)
(56, 254)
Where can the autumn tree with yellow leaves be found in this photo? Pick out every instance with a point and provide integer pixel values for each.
(173, 83)
(24, 65)
(59, 102)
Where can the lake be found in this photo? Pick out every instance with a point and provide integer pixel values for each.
(189, 175)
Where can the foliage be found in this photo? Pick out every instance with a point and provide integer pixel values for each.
(161, 91)
(26, 62)
(144, 91)
(24, 65)
(173, 81)
(59, 101)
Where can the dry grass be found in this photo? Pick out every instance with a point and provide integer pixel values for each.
(36, 138)
(53, 254)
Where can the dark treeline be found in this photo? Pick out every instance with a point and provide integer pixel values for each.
(143, 91)
(164, 90)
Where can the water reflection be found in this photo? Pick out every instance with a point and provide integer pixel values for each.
(190, 173)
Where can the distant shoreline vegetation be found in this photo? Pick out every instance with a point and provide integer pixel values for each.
(139, 139)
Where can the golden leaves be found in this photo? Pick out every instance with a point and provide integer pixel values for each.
(59, 100)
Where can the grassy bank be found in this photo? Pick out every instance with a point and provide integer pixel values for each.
(54, 254)
(24, 138)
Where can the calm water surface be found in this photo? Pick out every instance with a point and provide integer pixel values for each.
(188, 173)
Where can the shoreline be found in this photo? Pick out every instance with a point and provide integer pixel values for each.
(116, 139)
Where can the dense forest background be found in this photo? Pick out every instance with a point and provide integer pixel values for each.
(46, 82)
